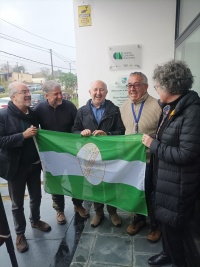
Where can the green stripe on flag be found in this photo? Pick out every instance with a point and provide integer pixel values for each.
(126, 147)
(118, 195)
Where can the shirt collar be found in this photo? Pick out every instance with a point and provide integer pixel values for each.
(101, 106)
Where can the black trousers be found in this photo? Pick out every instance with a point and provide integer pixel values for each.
(59, 202)
(173, 246)
(27, 175)
(150, 198)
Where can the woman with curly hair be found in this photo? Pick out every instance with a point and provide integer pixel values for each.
(176, 159)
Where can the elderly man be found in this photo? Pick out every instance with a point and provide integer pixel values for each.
(99, 117)
(140, 114)
(19, 160)
(57, 114)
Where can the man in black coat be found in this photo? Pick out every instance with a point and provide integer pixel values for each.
(57, 114)
(19, 160)
(100, 117)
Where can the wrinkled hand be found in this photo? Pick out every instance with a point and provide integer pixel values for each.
(30, 132)
(98, 132)
(86, 132)
(147, 140)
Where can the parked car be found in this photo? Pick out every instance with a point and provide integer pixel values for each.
(2, 89)
(66, 96)
(36, 98)
(4, 102)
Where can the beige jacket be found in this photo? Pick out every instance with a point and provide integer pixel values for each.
(149, 117)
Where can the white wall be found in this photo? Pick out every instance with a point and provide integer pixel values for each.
(149, 23)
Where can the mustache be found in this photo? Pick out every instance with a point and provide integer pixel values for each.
(27, 97)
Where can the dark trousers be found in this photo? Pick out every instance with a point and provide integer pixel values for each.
(173, 245)
(98, 207)
(59, 202)
(27, 175)
(149, 192)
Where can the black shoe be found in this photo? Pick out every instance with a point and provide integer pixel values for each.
(160, 259)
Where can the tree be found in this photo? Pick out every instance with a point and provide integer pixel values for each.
(69, 80)
(19, 69)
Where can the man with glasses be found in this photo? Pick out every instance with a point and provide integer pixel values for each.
(140, 114)
(19, 160)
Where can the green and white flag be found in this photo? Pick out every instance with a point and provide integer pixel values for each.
(106, 169)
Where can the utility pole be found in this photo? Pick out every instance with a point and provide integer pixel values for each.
(70, 68)
(51, 63)
(7, 71)
(18, 71)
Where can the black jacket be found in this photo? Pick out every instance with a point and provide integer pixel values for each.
(12, 123)
(59, 119)
(111, 121)
(178, 158)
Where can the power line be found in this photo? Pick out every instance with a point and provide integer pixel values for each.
(16, 40)
(34, 60)
(37, 35)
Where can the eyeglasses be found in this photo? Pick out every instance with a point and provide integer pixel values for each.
(24, 92)
(134, 85)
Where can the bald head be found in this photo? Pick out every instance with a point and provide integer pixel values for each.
(98, 92)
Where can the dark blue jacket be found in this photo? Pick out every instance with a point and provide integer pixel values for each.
(111, 121)
(13, 123)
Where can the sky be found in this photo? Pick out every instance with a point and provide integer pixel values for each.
(48, 19)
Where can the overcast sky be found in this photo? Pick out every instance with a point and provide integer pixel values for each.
(49, 19)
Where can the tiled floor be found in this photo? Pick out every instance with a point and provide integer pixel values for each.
(104, 246)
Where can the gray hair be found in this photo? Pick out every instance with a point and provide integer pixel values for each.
(49, 86)
(144, 77)
(174, 77)
(12, 87)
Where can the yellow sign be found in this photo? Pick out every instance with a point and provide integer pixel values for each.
(84, 16)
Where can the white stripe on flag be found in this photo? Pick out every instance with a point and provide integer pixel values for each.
(110, 171)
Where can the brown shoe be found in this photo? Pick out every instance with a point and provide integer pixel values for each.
(60, 217)
(97, 218)
(21, 243)
(82, 211)
(42, 226)
(116, 221)
(135, 226)
(154, 234)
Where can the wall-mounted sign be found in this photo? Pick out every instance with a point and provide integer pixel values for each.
(84, 16)
(118, 92)
(124, 57)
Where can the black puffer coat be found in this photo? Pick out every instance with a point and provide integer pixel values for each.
(178, 169)
(111, 121)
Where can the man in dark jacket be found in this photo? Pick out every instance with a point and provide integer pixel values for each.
(57, 114)
(100, 117)
(19, 160)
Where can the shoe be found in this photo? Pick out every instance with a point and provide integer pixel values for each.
(135, 226)
(82, 211)
(21, 243)
(154, 234)
(116, 221)
(160, 259)
(60, 217)
(97, 218)
(42, 226)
